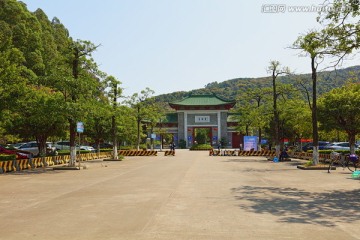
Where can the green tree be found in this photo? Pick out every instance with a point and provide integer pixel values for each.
(40, 116)
(98, 121)
(276, 70)
(342, 28)
(314, 45)
(142, 106)
(252, 111)
(114, 95)
(295, 117)
(127, 127)
(81, 85)
(202, 135)
(339, 110)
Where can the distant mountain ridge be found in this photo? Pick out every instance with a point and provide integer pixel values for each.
(228, 89)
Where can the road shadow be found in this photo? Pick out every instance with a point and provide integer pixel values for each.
(293, 205)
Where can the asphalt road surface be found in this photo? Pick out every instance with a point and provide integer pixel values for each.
(187, 196)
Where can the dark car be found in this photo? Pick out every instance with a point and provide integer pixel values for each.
(103, 145)
(309, 146)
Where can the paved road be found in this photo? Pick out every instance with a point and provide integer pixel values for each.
(189, 196)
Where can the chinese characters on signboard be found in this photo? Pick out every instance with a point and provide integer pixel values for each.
(202, 119)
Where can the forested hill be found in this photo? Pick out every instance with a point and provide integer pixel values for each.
(228, 89)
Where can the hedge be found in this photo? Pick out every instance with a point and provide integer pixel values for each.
(201, 147)
(5, 157)
(67, 152)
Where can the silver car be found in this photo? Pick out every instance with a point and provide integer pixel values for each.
(64, 145)
(340, 146)
(33, 147)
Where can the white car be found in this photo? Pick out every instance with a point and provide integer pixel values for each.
(88, 148)
(340, 146)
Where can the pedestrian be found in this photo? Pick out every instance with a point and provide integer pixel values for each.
(284, 155)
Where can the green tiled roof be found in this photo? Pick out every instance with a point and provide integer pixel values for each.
(202, 100)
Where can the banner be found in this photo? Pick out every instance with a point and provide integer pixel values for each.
(250, 142)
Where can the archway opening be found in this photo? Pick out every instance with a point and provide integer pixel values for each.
(202, 135)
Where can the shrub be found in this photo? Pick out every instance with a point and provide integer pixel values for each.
(309, 163)
(105, 150)
(182, 144)
(67, 152)
(130, 147)
(5, 157)
(201, 147)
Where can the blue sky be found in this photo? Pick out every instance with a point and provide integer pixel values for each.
(180, 45)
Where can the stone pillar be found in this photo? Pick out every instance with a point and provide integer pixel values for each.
(223, 126)
(181, 127)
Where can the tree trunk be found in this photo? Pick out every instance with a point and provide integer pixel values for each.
(114, 127)
(72, 143)
(259, 143)
(161, 142)
(115, 151)
(352, 142)
(75, 69)
(41, 145)
(138, 135)
(151, 139)
(314, 115)
(276, 117)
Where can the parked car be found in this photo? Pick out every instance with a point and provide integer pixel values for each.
(309, 146)
(88, 148)
(340, 146)
(64, 145)
(19, 153)
(33, 147)
(103, 145)
(17, 145)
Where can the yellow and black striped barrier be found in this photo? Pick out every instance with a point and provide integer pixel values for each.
(132, 153)
(23, 164)
(323, 157)
(169, 153)
(8, 166)
(213, 152)
(37, 162)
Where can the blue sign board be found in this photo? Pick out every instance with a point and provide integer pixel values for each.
(215, 138)
(189, 138)
(80, 127)
(250, 142)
